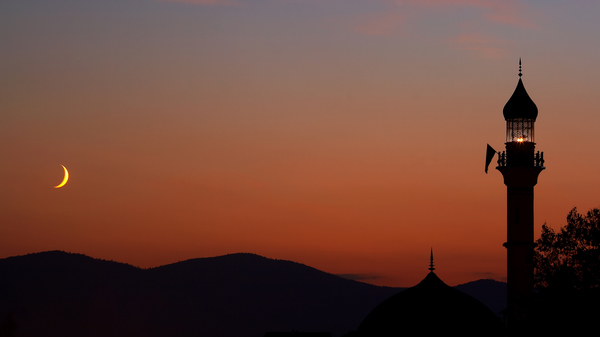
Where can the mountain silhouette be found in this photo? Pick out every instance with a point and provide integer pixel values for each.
(489, 292)
(64, 294)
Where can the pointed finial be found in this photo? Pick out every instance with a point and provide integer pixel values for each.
(520, 73)
(431, 261)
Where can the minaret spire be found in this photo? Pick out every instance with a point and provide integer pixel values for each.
(520, 73)
(431, 268)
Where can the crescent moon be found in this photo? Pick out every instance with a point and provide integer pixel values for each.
(65, 179)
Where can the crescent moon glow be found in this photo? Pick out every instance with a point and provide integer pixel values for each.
(65, 179)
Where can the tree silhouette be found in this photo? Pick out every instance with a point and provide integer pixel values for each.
(570, 258)
(567, 277)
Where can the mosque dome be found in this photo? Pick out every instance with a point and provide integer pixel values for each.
(520, 105)
(431, 308)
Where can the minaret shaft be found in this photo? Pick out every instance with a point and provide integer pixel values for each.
(519, 247)
(520, 169)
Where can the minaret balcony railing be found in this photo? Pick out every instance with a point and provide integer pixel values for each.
(536, 161)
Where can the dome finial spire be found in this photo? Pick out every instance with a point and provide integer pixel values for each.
(520, 104)
(520, 73)
(431, 268)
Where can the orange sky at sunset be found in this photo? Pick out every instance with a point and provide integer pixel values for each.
(348, 135)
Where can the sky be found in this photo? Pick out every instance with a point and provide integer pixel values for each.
(347, 135)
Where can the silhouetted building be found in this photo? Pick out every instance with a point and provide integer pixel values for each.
(520, 167)
(431, 308)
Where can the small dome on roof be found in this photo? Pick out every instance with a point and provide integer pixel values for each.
(520, 105)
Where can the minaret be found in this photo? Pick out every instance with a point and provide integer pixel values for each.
(520, 165)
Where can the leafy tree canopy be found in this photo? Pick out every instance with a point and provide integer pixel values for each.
(570, 258)
(567, 275)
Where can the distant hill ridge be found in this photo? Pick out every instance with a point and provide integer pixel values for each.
(242, 294)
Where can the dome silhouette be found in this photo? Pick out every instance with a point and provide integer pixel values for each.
(431, 308)
(520, 105)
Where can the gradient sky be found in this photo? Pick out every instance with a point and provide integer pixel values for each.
(348, 135)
